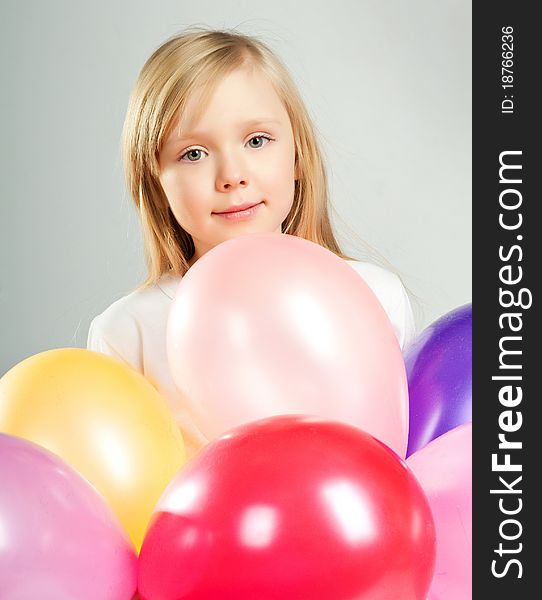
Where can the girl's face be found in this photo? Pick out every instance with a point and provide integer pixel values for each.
(240, 154)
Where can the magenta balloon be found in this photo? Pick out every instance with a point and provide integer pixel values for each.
(58, 539)
(271, 324)
(444, 470)
(439, 370)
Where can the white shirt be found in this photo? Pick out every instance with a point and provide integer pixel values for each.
(133, 330)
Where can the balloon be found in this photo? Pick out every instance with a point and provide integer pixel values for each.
(104, 419)
(58, 538)
(439, 369)
(444, 470)
(269, 324)
(290, 507)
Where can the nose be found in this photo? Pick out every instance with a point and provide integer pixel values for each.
(231, 176)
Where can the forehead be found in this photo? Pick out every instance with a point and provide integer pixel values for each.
(244, 94)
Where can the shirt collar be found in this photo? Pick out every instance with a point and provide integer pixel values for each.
(169, 284)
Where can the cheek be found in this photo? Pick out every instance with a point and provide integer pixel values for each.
(285, 184)
(184, 195)
(280, 173)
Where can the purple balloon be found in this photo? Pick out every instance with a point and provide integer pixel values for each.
(439, 372)
(58, 538)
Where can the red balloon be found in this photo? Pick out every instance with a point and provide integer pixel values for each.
(290, 507)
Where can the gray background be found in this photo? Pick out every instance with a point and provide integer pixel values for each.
(388, 83)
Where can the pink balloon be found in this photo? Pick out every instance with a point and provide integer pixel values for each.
(271, 324)
(58, 539)
(444, 469)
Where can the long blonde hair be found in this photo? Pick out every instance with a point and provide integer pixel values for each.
(198, 59)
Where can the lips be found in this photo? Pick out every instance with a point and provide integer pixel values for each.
(238, 208)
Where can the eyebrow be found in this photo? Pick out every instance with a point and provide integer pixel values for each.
(195, 134)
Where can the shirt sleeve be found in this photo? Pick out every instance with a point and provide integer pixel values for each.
(402, 318)
(118, 335)
(395, 301)
(393, 297)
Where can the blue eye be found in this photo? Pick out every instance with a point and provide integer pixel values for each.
(190, 155)
(260, 138)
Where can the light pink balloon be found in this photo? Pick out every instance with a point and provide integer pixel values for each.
(271, 324)
(444, 470)
(58, 539)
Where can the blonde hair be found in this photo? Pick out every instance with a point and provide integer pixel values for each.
(199, 59)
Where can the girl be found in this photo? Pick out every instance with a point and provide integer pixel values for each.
(217, 142)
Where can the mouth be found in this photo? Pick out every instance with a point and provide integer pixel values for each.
(242, 211)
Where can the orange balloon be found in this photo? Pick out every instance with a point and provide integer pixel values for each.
(101, 417)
